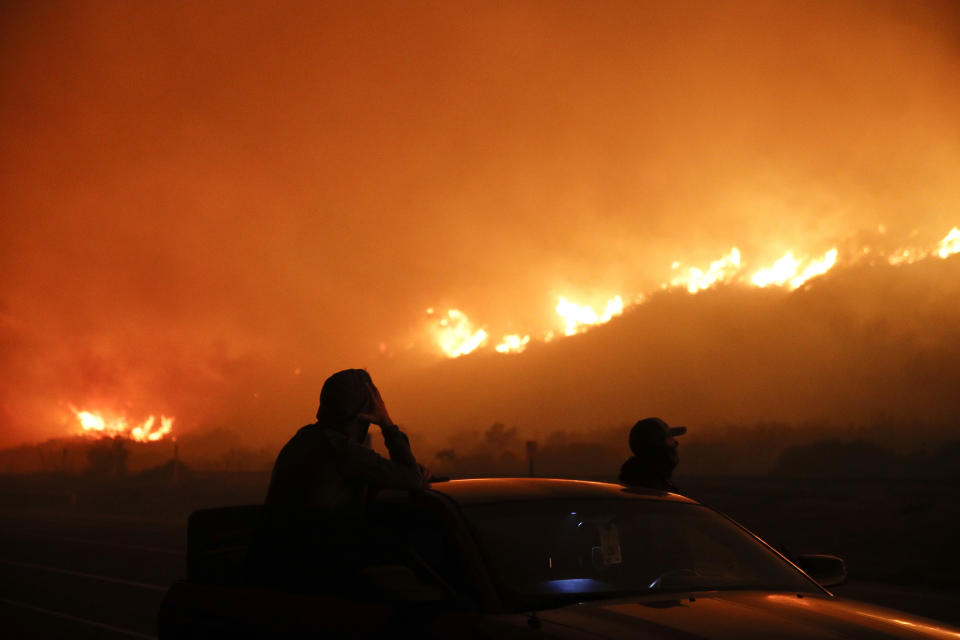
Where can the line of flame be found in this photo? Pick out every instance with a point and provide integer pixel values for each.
(92, 423)
(456, 334)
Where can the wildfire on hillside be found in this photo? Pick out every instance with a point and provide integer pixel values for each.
(513, 343)
(457, 335)
(93, 423)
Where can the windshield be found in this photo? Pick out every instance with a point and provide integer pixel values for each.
(548, 552)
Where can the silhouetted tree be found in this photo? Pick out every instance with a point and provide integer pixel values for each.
(499, 437)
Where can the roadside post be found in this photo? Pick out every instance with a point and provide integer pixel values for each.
(531, 453)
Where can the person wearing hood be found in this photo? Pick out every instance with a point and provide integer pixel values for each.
(654, 446)
(312, 536)
(329, 464)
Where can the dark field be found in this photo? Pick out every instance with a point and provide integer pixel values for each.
(85, 558)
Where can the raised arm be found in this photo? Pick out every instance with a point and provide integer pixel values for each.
(401, 470)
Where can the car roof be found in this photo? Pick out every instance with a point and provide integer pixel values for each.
(486, 490)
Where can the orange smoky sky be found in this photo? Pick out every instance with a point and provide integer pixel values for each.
(209, 207)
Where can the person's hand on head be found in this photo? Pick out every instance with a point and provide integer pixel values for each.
(376, 411)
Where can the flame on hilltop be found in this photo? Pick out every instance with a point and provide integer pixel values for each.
(513, 344)
(578, 318)
(786, 272)
(457, 336)
(93, 423)
(718, 271)
(950, 244)
(790, 272)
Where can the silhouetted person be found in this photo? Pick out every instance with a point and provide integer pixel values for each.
(312, 535)
(654, 446)
(330, 465)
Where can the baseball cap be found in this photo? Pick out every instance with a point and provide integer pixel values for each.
(652, 431)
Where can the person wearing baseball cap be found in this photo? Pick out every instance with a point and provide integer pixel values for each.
(654, 446)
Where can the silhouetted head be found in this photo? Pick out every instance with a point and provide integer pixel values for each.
(653, 442)
(344, 395)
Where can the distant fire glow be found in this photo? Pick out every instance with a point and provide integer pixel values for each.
(94, 423)
(513, 344)
(456, 335)
(950, 244)
(578, 318)
(792, 273)
(718, 271)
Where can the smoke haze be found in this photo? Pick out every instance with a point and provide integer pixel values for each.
(209, 209)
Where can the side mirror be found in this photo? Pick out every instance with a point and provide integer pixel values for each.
(828, 571)
(398, 583)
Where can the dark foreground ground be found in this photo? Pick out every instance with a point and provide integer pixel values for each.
(85, 559)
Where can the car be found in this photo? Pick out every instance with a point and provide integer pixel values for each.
(510, 557)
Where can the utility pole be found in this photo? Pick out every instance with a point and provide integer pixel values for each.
(531, 453)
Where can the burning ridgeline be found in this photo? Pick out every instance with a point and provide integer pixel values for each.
(456, 335)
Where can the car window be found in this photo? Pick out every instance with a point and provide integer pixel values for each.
(544, 551)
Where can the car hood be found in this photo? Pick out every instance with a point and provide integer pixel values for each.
(743, 615)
